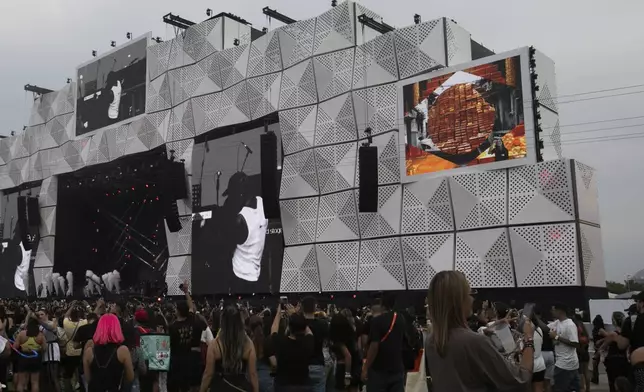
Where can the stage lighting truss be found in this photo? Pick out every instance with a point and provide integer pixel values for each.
(535, 104)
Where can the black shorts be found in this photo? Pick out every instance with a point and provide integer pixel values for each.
(186, 370)
(28, 365)
(539, 376)
(70, 364)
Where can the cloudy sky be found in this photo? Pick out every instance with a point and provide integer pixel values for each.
(596, 45)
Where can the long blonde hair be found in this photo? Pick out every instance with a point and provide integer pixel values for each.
(448, 292)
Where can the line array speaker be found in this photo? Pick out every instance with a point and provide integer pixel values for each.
(33, 211)
(368, 171)
(174, 180)
(269, 175)
(23, 225)
(171, 212)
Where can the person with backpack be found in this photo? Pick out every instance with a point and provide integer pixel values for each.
(383, 369)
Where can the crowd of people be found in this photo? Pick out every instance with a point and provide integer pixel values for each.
(466, 345)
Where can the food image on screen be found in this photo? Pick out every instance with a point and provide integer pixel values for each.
(465, 118)
(235, 248)
(112, 88)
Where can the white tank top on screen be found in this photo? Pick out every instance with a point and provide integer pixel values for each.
(247, 259)
(113, 111)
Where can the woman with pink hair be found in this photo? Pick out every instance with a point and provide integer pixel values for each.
(107, 362)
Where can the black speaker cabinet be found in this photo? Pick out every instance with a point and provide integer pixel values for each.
(269, 175)
(33, 211)
(368, 170)
(171, 211)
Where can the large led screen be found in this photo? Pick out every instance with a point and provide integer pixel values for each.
(112, 88)
(16, 263)
(467, 116)
(235, 248)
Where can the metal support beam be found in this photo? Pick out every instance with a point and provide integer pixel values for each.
(37, 90)
(276, 15)
(380, 27)
(177, 21)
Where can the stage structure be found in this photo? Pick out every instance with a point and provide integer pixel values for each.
(457, 128)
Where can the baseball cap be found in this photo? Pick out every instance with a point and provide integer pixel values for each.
(639, 296)
(631, 309)
(236, 183)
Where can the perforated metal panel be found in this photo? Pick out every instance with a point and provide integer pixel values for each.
(386, 221)
(425, 256)
(265, 56)
(541, 193)
(47, 221)
(338, 264)
(426, 207)
(299, 220)
(298, 86)
(263, 94)
(420, 48)
(300, 270)
(484, 257)
(45, 253)
(480, 199)
(547, 81)
(551, 135)
(587, 195)
(592, 255)
(180, 243)
(335, 121)
(179, 271)
(338, 217)
(375, 62)
(336, 167)
(459, 45)
(157, 58)
(299, 175)
(545, 255)
(375, 108)
(335, 29)
(234, 107)
(234, 64)
(380, 266)
(297, 127)
(333, 73)
(296, 41)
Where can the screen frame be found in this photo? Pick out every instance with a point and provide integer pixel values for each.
(148, 37)
(529, 123)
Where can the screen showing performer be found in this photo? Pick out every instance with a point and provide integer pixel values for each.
(112, 88)
(16, 262)
(235, 248)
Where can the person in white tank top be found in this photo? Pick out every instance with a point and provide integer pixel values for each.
(113, 109)
(249, 227)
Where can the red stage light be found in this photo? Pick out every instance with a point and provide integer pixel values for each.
(146, 185)
(354, 296)
(107, 194)
(132, 188)
(145, 200)
(119, 191)
(157, 198)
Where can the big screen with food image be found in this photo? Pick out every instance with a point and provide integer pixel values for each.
(465, 118)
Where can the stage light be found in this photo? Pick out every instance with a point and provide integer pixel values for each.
(146, 185)
(265, 30)
(128, 35)
(132, 188)
(334, 3)
(69, 80)
(208, 12)
(354, 296)
(13, 133)
(94, 53)
(157, 198)
(113, 44)
(158, 40)
(236, 42)
(417, 19)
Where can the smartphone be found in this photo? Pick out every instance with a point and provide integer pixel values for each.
(527, 313)
(283, 300)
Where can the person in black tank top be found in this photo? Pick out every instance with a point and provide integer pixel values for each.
(230, 357)
(107, 362)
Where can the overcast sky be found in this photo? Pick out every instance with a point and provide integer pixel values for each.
(595, 44)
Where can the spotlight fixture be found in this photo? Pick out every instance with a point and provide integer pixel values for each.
(369, 137)
(13, 133)
(94, 53)
(24, 127)
(236, 42)
(208, 12)
(113, 44)
(417, 19)
(128, 35)
(158, 40)
(265, 30)
(69, 80)
(334, 3)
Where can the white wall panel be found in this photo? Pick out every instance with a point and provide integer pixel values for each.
(592, 255)
(484, 257)
(587, 193)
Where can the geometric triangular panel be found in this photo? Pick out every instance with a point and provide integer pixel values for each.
(380, 265)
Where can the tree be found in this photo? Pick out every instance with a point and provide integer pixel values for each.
(621, 288)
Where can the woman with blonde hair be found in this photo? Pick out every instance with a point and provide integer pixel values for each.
(459, 359)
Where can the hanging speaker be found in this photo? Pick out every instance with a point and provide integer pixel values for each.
(33, 211)
(368, 171)
(23, 226)
(269, 175)
(171, 212)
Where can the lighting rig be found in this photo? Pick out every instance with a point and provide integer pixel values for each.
(369, 138)
(277, 15)
(38, 91)
(208, 12)
(158, 40)
(113, 44)
(94, 53)
(128, 35)
(177, 21)
(535, 104)
(417, 19)
(380, 27)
